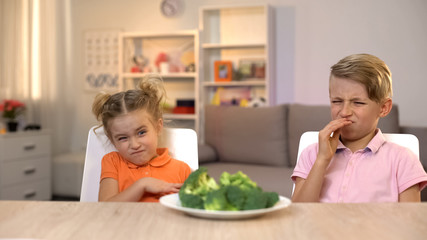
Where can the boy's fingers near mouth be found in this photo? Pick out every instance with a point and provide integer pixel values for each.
(336, 134)
(342, 122)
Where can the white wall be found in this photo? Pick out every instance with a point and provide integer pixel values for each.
(311, 36)
(393, 30)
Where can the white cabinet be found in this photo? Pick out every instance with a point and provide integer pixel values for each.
(242, 35)
(25, 166)
(173, 56)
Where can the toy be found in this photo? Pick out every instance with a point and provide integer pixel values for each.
(257, 102)
(161, 58)
(140, 62)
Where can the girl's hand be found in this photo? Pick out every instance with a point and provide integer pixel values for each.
(329, 137)
(109, 189)
(154, 185)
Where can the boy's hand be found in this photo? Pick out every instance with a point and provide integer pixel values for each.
(154, 185)
(329, 137)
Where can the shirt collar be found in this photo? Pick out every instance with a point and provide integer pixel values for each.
(162, 158)
(376, 142)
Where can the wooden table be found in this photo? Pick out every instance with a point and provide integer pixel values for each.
(75, 220)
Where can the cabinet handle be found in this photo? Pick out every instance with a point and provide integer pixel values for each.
(29, 147)
(30, 170)
(30, 194)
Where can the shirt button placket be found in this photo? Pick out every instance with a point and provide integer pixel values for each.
(346, 180)
(147, 171)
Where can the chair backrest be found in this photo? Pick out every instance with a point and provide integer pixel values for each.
(407, 140)
(181, 143)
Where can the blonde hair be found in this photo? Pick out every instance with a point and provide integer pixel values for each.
(368, 70)
(148, 95)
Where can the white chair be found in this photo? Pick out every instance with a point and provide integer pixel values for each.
(181, 143)
(407, 140)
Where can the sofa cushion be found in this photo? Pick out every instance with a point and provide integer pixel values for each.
(248, 135)
(269, 178)
(303, 118)
(206, 153)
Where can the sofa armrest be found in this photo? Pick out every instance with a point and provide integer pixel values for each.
(207, 153)
(421, 134)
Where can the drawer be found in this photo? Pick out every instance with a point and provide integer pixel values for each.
(25, 146)
(21, 171)
(37, 190)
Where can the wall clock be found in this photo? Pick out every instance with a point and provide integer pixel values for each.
(170, 8)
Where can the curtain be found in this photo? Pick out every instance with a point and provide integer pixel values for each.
(25, 35)
(31, 34)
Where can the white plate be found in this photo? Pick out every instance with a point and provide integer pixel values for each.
(172, 201)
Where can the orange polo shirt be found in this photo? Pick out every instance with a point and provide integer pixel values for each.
(126, 173)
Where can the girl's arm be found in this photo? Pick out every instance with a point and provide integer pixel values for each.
(411, 194)
(109, 189)
(308, 190)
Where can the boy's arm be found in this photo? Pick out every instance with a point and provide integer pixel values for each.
(109, 189)
(412, 194)
(308, 190)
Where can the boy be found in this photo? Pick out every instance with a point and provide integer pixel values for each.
(352, 162)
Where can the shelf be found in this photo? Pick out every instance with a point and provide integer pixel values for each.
(187, 33)
(182, 51)
(234, 83)
(169, 75)
(224, 46)
(179, 116)
(241, 34)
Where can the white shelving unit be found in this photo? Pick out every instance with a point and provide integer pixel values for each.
(180, 82)
(235, 33)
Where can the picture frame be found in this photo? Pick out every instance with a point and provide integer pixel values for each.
(252, 69)
(223, 71)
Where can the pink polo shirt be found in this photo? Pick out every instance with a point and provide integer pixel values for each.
(378, 173)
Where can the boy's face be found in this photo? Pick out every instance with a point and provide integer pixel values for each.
(135, 136)
(349, 99)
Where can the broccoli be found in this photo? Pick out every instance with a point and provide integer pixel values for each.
(235, 192)
(190, 200)
(255, 199)
(272, 198)
(236, 197)
(216, 200)
(238, 179)
(197, 185)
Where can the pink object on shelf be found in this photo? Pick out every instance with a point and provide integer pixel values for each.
(162, 57)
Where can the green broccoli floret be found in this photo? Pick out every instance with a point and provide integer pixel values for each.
(238, 179)
(235, 192)
(242, 192)
(216, 200)
(255, 199)
(236, 197)
(198, 184)
(272, 198)
(190, 200)
(224, 179)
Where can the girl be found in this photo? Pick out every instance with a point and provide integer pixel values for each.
(133, 121)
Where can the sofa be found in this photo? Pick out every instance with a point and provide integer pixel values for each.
(263, 142)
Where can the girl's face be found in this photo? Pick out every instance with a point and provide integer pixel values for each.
(135, 136)
(349, 99)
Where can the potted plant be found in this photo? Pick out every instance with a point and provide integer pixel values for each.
(11, 110)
